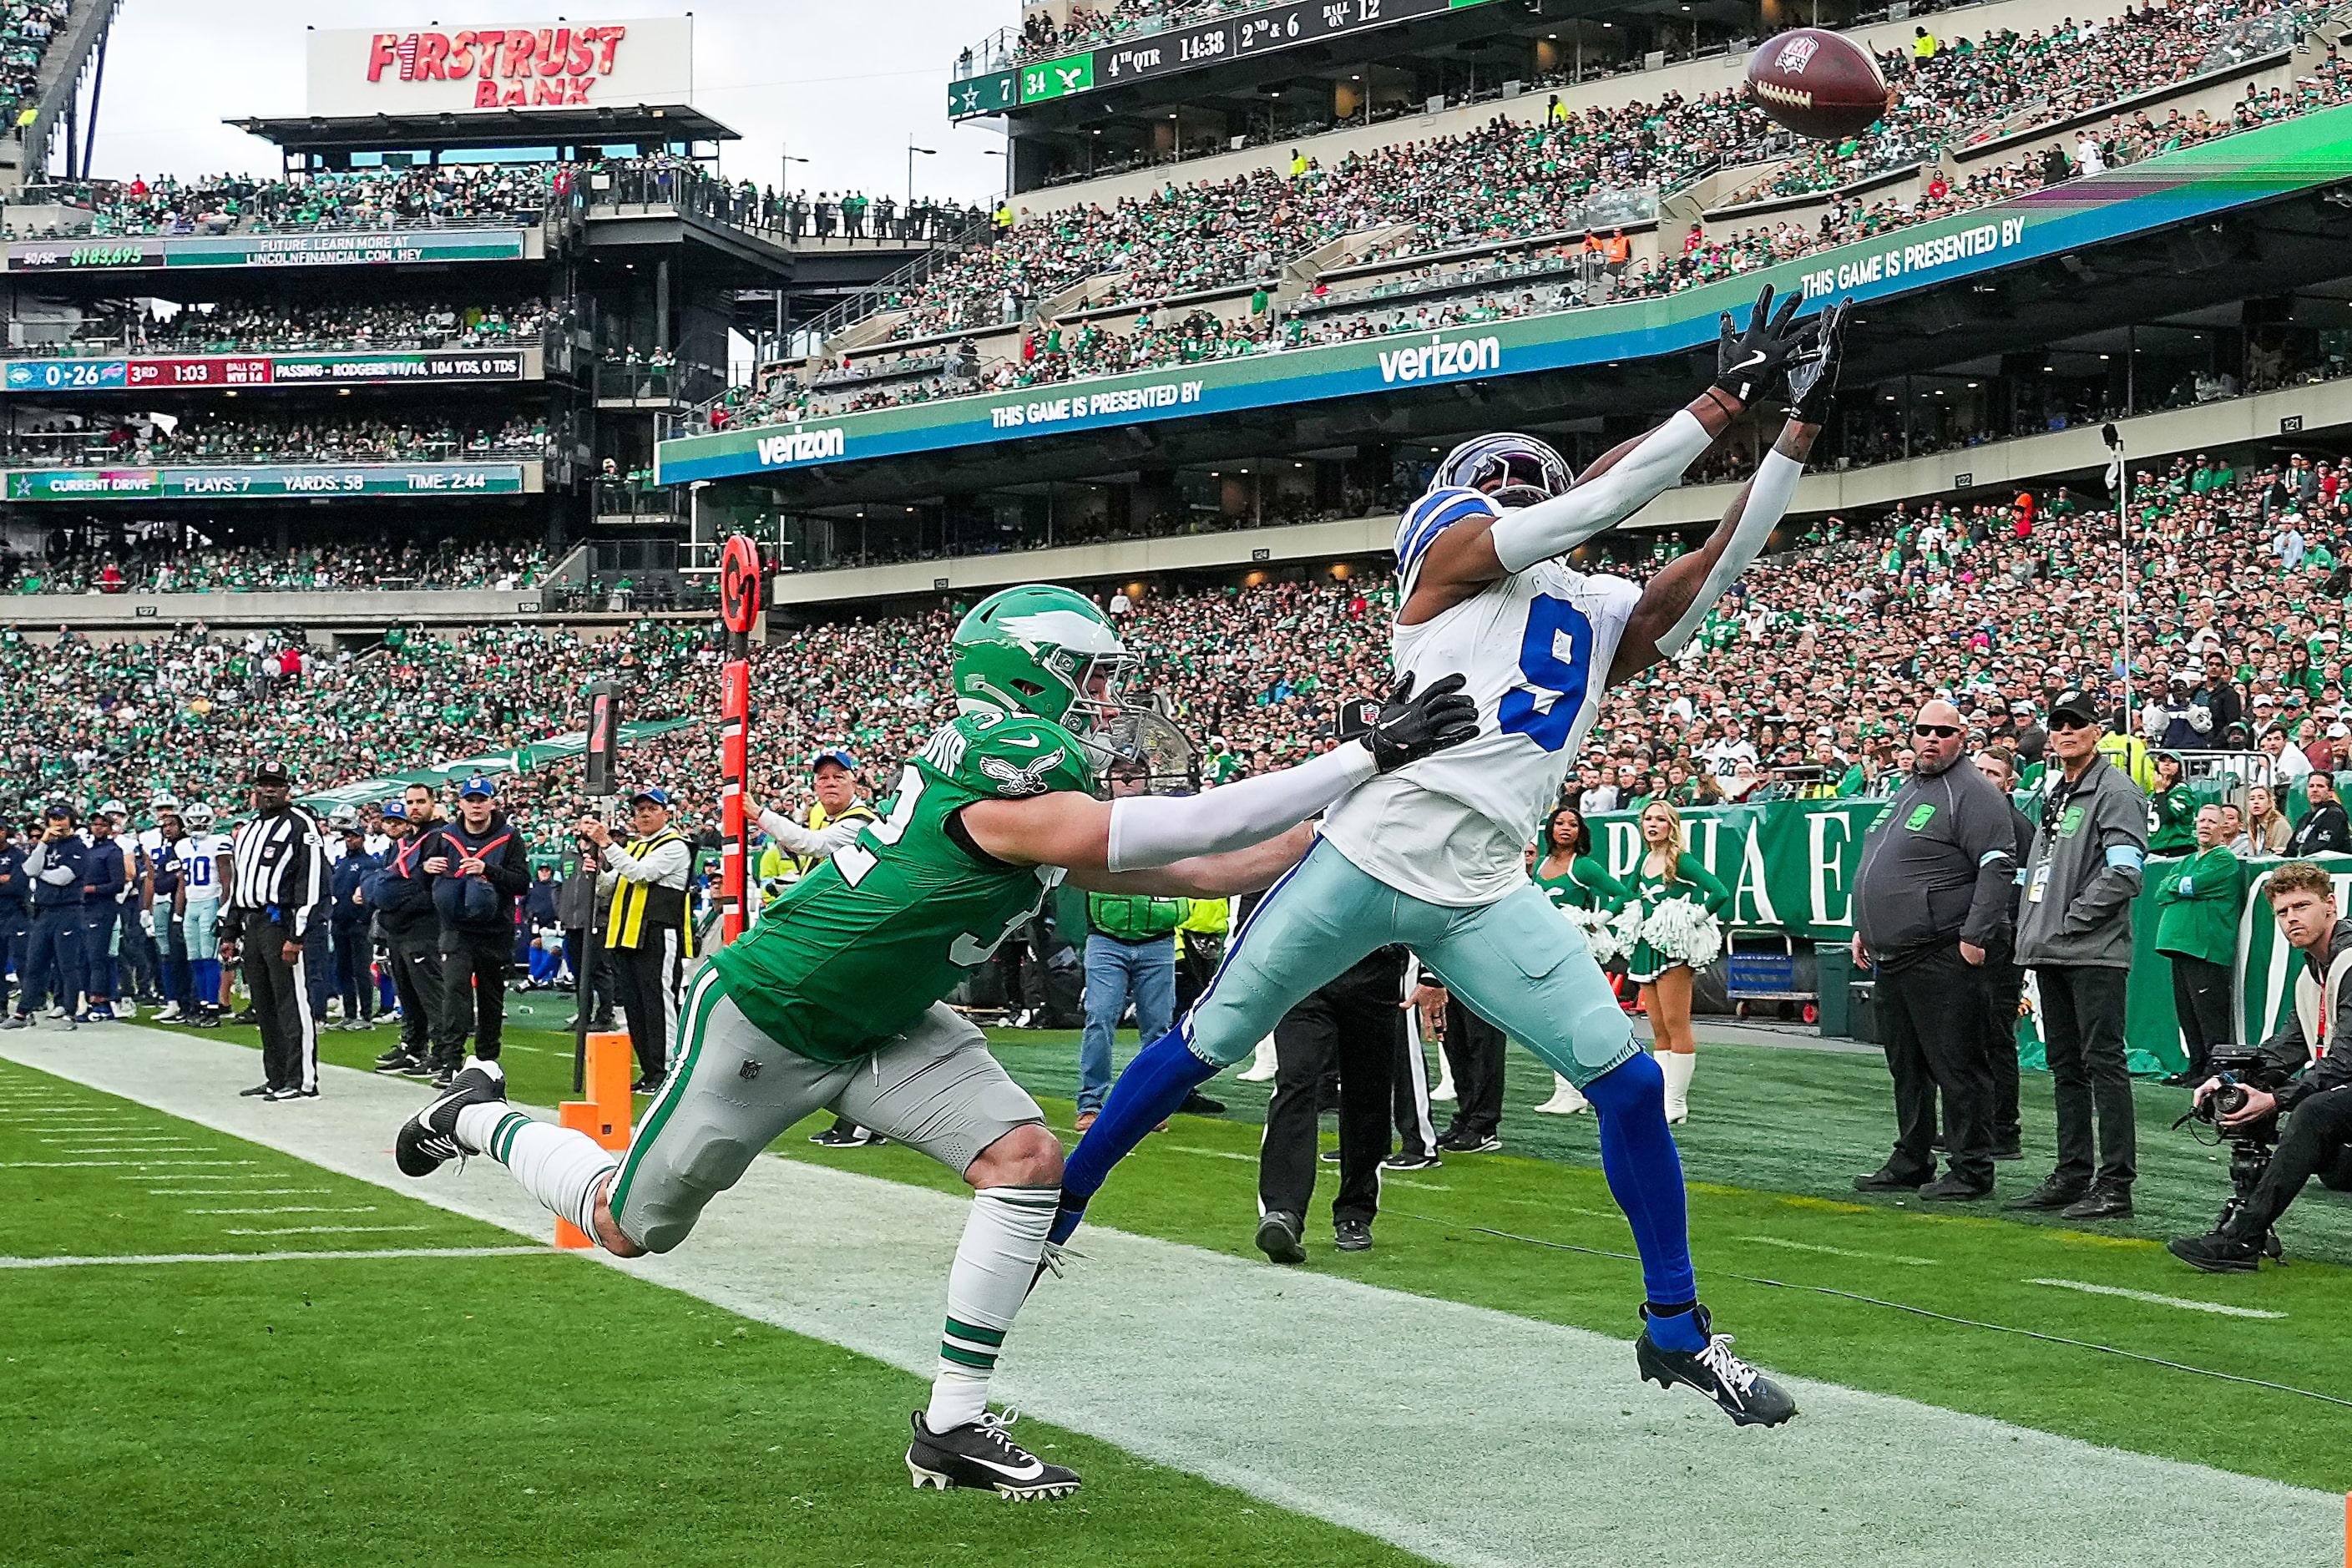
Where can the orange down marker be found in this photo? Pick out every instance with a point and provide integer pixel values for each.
(603, 1115)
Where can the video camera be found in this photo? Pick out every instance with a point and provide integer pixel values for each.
(2250, 1145)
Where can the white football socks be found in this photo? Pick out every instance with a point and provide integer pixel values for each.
(560, 1166)
(994, 1265)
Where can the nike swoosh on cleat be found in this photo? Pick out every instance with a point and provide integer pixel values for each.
(1036, 1468)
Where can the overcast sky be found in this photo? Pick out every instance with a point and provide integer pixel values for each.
(844, 86)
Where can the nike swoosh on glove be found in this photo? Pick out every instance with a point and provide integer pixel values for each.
(1746, 363)
(1411, 727)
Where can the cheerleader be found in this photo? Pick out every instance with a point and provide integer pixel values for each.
(1587, 895)
(1672, 924)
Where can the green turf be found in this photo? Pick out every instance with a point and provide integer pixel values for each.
(504, 1409)
(1801, 1122)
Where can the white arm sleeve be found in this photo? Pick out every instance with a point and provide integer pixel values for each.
(1556, 526)
(1768, 499)
(1159, 830)
(809, 841)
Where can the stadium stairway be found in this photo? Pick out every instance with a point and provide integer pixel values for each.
(59, 83)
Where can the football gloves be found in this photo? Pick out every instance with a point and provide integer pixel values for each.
(1814, 374)
(1411, 727)
(1748, 363)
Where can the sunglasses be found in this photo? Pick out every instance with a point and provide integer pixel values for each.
(1941, 732)
(2062, 721)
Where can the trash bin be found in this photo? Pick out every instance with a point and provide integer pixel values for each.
(1834, 964)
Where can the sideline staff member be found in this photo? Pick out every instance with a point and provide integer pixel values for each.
(648, 936)
(1930, 900)
(2317, 1104)
(277, 887)
(2074, 931)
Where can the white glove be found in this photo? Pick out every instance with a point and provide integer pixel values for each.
(147, 921)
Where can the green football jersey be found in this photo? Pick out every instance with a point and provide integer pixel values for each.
(856, 950)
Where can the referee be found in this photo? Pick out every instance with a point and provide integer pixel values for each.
(276, 886)
(648, 936)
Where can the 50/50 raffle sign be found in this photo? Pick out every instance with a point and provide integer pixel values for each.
(434, 71)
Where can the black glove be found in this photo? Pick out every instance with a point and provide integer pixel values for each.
(1814, 374)
(1746, 363)
(1410, 728)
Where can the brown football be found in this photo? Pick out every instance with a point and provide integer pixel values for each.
(1817, 83)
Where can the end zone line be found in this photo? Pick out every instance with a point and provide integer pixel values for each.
(276, 1257)
(2183, 1302)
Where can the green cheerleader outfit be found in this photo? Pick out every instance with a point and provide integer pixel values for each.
(1646, 893)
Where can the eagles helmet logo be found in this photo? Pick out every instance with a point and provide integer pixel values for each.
(1017, 781)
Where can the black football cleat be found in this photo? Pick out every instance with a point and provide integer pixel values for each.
(2221, 1252)
(978, 1455)
(428, 1140)
(1746, 1394)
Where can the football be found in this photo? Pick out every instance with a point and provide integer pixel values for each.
(1817, 83)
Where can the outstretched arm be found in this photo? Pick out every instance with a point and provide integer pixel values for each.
(1679, 597)
(1247, 871)
(1479, 551)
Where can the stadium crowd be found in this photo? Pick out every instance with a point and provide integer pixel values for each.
(1836, 641)
(63, 443)
(165, 564)
(1198, 240)
(137, 327)
(27, 28)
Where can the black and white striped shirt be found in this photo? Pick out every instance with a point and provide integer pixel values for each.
(278, 865)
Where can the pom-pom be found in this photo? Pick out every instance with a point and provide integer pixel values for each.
(1680, 929)
(1600, 932)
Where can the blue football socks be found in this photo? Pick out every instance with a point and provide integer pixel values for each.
(1645, 1176)
(1153, 1086)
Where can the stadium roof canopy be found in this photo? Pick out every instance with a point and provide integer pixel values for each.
(600, 125)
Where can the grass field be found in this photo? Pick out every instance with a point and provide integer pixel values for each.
(278, 1409)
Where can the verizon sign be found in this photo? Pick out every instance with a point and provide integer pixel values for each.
(434, 71)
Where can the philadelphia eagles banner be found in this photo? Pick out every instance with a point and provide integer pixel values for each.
(1790, 867)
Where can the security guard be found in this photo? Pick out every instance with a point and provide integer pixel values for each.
(648, 935)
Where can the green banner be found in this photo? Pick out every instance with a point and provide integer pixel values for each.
(1791, 865)
(310, 247)
(1057, 78)
(269, 483)
(521, 760)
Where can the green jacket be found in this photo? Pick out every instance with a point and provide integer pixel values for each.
(2198, 903)
(2172, 821)
(1133, 918)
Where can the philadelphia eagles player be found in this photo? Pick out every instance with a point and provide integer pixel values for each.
(832, 999)
(1431, 857)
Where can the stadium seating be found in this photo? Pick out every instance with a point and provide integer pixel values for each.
(1835, 640)
(1509, 180)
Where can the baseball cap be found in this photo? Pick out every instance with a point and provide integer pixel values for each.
(660, 798)
(272, 774)
(1357, 717)
(834, 754)
(2075, 703)
(478, 785)
(2337, 732)
(59, 808)
(395, 810)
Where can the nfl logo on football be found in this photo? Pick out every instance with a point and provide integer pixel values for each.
(1794, 59)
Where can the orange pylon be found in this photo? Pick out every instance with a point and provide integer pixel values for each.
(603, 1115)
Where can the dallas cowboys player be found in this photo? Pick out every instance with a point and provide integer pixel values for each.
(1430, 856)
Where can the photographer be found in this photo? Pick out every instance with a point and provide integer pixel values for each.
(2318, 1108)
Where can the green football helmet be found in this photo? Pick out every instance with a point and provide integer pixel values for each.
(1043, 651)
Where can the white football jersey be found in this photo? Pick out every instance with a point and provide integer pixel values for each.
(203, 858)
(1535, 648)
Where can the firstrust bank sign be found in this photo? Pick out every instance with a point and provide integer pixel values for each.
(431, 71)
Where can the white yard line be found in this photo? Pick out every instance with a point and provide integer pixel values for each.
(1783, 1242)
(1471, 1437)
(295, 1208)
(136, 1258)
(2153, 1299)
(144, 1164)
(322, 1229)
(234, 1192)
